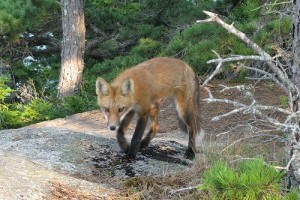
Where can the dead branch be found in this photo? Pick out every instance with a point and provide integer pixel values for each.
(266, 57)
(236, 58)
(216, 70)
(249, 137)
(280, 77)
(221, 60)
(238, 127)
(287, 167)
(183, 189)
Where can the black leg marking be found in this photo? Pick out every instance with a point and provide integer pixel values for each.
(137, 136)
(121, 131)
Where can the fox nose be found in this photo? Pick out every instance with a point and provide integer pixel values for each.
(112, 128)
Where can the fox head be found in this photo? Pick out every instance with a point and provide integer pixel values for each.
(115, 101)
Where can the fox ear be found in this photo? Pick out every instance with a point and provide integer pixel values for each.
(102, 87)
(127, 87)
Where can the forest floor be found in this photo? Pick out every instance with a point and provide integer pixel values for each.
(78, 158)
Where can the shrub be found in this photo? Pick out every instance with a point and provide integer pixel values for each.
(5, 91)
(14, 15)
(248, 10)
(74, 104)
(15, 115)
(250, 180)
(37, 110)
(147, 48)
(10, 118)
(109, 69)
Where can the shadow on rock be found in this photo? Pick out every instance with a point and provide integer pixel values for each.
(158, 157)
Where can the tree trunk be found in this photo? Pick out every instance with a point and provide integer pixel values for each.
(294, 140)
(73, 44)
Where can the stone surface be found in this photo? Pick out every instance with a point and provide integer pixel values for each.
(77, 152)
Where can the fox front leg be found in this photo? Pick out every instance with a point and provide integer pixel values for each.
(137, 136)
(121, 131)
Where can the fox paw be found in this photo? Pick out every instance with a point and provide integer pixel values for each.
(189, 154)
(128, 158)
(144, 145)
(125, 148)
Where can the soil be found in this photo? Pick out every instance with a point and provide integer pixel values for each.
(77, 157)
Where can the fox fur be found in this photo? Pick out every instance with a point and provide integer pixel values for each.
(139, 90)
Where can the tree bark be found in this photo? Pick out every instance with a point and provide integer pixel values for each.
(294, 140)
(73, 45)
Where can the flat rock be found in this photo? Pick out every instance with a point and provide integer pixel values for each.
(79, 154)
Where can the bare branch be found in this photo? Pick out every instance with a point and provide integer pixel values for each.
(248, 137)
(287, 167)
(268, 75)
(183, 189)
(234, 128)
(237, 58)
(234, 103)
(254, 108)
(216, 70)
(269, 60)
(217, 118)
(209, 92)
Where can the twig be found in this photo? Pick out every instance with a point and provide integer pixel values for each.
(216, 70)
(234, 103)
(248, 137)
(287, 167)
(208, 92)
(217, 118)
(183, 189)
(271, 76)
(273, 4)
(232, 129)
(242, 158)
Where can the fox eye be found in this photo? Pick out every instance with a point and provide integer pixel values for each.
(106, 109)
(121, 109)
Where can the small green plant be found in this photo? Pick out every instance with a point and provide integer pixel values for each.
(4, 89)
(284, 101)
(251, 180)
(292, 195)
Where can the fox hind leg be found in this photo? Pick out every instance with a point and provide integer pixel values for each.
(191, 150)
(186, 115)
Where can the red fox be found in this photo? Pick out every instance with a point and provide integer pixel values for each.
(139, 90)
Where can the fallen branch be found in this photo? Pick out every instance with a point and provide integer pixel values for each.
(183, 189)
(249, 137)
(237, 58)
(221, 60)
(287, 167)
(216, 71)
